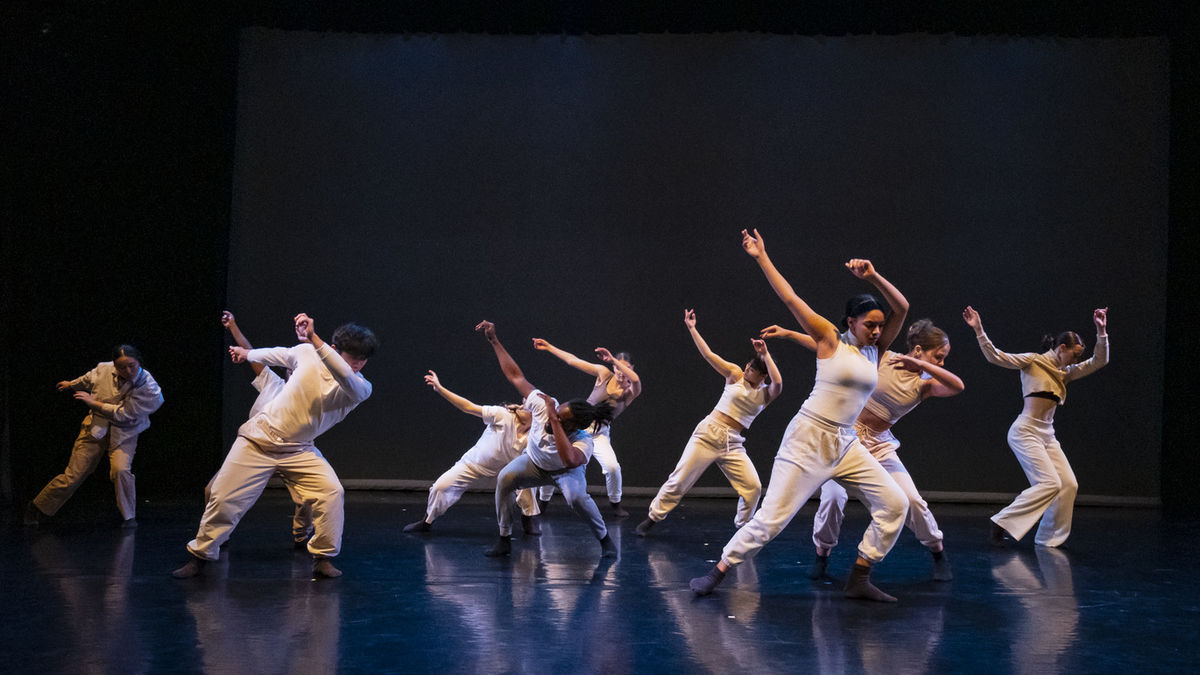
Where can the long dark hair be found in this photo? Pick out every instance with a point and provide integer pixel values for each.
(128, 350)
(588, 416)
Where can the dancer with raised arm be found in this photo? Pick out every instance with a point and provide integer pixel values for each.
(120, 395)
(505, 434)
(718, 437)
(556, 453)
(1044, 377)
(324, 387)
(904, 381)
(616, 387)
(268, 384)
(820, 443)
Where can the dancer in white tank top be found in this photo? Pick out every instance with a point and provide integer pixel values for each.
(718, 437)
(904, 381)
(819, 443)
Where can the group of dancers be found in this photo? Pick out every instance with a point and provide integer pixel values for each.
(840, 441)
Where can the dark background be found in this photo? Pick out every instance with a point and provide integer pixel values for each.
(153, 184)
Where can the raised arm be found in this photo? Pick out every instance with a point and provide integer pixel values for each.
(570, 455)
(511, 370)
(863, 269)
(455, 400)
(776, 386)
(994, 356)
(351, 382)
(230, 323)
(593, 369)
(823, 333)
(1099, 354)
(796, 336)
(728, 370)
(635, 382)
(944, 382)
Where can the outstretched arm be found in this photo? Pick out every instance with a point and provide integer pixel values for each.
(727, 370)
(230, 323)
(593, 369)
(796, 336)
(944, 382)
(823, 332)
(351, 382)
(635, 382)
(509, 367)
(863, 269)
(994, 356)
(776, 386)
(570, 455)
(455, 400)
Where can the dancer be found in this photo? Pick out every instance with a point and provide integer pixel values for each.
(268, 384)
(718, 437)
(819, 443)
(120, 396)
(1044, 377)
(324, 387)
(556, 453)
(616, 387)
(503, 440)
(904, 381)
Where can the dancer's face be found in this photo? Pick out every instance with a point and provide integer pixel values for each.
(867, 327)
(127, 368)
(935, 356)
(1068, 354)
(356, 364)
(752, 375)
(565, 417)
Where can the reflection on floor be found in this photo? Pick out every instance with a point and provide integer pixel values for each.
(81, 595)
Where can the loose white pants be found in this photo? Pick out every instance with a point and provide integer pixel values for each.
(812, 452)
(827, 523)
(85, 456)
(242, 478)
(523, 473)
(711, 442)
(1052, 485)
(450, 486)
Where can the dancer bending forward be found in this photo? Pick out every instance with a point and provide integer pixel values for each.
(718, 437)
(1044, 377)
(904, 381)
(819, 443)
(556, 453)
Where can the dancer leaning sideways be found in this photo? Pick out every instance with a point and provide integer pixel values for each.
(120, 395)
(1044, 377)
(505, 433)
(904, 381)
(819, 443)
(718, 437)
(616, 384)
(557, 452)
(324, 387)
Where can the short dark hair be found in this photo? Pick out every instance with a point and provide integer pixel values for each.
(760, 365)
(356, 340)
(127, 350)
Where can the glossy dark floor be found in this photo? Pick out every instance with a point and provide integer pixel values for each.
(81, 595)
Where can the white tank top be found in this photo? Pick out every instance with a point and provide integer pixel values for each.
(741, 403)
(898, 391)
(844, 381)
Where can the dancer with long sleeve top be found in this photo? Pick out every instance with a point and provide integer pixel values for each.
(1044, 377)
(505, 434)
(904, 381)
(324, 387)
(268, 384)
(556, 453)
(120, 396)
(718, 437)
(616, 384)
(819, 443)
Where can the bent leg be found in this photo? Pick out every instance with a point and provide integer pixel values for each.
(235, 488)
(573, 484)
(85, 455)
(1028, 439)
(742, 475)
(885, 500)
(920, 519)
(518, 474)
(120, 472)
(1056, 521)
(702, 449)
(450, 486)
(603, 453)
(318, 484)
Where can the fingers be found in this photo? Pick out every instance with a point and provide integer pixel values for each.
(484, 325)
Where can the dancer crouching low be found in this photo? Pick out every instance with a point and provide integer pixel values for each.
(556, 453)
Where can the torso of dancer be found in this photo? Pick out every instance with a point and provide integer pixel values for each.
(120, 396)
(559, 447)
(820, 443)
(1044, 377)
(505, 435)
(268, 384)
(616, 387)
(904, 381)
(718, 437)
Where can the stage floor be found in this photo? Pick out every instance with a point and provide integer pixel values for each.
(82, 596)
